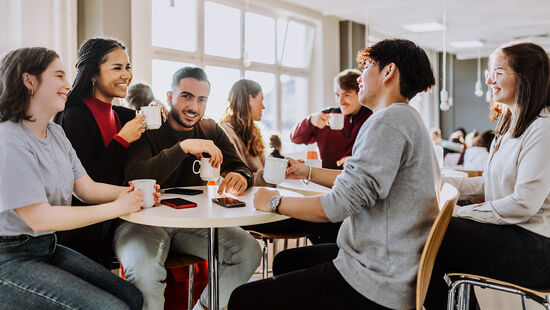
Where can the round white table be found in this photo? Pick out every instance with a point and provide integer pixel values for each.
(300, 187)
(208, 215)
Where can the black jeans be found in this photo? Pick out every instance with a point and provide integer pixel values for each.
(503, 252)
(320, 232)
(318, 286)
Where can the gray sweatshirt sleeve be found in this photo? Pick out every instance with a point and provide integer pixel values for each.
(369, 174)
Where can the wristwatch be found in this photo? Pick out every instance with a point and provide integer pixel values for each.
(274, 203)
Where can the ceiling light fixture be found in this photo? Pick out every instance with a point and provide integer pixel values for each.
(478, 88)
(467, 44)
(424, 27)
(444, 95)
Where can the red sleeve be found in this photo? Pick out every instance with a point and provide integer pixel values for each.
(121, 140)
(304, 132)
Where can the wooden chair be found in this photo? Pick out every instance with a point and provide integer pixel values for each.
(273, 237)
(447, 200)
(472, 173)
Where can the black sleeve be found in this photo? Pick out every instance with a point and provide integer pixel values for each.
(142, 163)
(231, 160)
(103, 164)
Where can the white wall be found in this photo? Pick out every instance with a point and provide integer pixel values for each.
(47, 23)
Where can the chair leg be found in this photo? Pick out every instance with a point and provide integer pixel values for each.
(547, 306)
(297, 242)
(451, 298)
(265, 261)
(191, 283)
(275, 248)
(524, 302)
(285, 244)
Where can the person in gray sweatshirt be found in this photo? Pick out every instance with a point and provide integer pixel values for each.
(386, 197)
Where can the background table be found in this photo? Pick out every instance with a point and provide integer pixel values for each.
(299, 186)
(208, 215)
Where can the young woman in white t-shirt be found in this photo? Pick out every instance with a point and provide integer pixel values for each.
(39, 172)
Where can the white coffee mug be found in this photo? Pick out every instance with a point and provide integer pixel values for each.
(275, 170)
(336, 121)
(207, 172)
(147, 188)
(315, 163)
(153, 118)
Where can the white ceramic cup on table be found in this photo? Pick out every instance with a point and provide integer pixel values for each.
(275, 170)
(206, 171)
(153, 118)
(336, 121)
(147, 188)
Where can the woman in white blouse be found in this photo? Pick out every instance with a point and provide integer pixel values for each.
(507, 236)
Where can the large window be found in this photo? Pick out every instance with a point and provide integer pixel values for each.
(232, 42)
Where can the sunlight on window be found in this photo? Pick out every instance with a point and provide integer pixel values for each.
(267, 81)
(294, 43)
(221, 79)
(175, 27)
(162, 77)
(259, 38)
(294, 104)
(222, 30)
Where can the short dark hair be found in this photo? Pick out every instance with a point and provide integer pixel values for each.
(91, 55)
(192, 72)
(14, 95)
(415, 71)
(531, 67)
(139, 95)
(347, 79)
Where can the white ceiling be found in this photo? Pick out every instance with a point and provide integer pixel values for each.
(494, 22)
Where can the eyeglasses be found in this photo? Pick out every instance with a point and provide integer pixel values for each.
(493, 74)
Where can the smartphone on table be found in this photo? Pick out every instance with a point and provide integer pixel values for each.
(183, 191)
(178, 203)
(228, 202)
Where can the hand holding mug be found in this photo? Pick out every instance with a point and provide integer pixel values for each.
(320, 119)
(198, 146)
(133, 129)
(233, 183)
(149, 190)
(296, 170)
(129, 201)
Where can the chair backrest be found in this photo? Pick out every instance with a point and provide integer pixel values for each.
(472, 173)
(447, 200)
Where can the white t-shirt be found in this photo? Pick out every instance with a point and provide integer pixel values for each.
(34, 170)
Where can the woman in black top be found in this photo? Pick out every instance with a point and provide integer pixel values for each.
(100, 132)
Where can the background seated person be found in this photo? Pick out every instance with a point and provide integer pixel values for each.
(386, 196)
(141, 95)
(335, 145)
(276, 145)
(167, 155)
(477, 156)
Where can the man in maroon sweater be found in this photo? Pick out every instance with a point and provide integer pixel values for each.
(335, 145)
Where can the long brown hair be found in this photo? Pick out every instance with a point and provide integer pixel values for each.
(239, 116)
(14, 95)
(532, 70)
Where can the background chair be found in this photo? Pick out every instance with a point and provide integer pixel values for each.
(447, 200)
(274, 237)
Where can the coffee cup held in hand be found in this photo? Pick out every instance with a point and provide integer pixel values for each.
(147, 188)
(153, 118)
(336, 121)
(207, 172)
(275, 170)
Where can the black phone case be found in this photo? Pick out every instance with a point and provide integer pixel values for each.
(232, 205)
(183, 191)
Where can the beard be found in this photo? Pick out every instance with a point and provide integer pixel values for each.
(178, 118)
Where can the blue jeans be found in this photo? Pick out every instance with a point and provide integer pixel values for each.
(142, 251)
(35, 273)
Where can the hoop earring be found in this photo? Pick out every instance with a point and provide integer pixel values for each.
(93, 87)
(31, 92)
